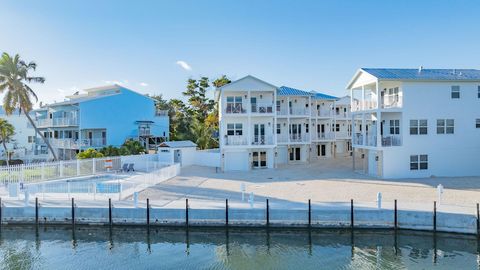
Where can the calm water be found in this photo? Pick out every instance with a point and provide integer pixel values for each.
(135, 248)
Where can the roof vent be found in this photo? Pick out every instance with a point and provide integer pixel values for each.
(420, 69)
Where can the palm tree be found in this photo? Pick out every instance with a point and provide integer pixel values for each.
(6, 133)
(14, 79)
(202, 134)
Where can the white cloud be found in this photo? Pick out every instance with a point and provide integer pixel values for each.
(124, 82)
(184, 65)
(144, 84)
(61, 91)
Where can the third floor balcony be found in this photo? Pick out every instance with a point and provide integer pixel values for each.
(57, 122)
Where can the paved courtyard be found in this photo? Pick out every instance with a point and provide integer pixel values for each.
(324, 182)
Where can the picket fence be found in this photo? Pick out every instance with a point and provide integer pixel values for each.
(38, 172)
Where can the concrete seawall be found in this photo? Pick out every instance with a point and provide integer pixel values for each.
(244, 217)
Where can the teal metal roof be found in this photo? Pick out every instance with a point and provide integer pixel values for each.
(424, 74)
(289, 91)
(324, 96)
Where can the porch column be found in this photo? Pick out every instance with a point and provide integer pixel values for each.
(288, 119)
(379, 124)
(363, 98)
(364, 130)
(249, 119)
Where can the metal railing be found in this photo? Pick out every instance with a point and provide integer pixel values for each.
(393, 101)
(392, 140)
(235, 109)
(324, 136)
(262, 140)
(236, 140)
(262, 108)
(57, 122)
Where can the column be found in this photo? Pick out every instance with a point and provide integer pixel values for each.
(249, 120)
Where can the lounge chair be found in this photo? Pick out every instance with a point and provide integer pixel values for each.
(125, 167)
(130, 167)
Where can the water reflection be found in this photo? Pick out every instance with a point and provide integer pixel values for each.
(80, 247)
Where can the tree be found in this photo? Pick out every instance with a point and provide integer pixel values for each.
(199, 103)
(131, 147)
(202, 134)
(6, 133)
(14, 79)
(89, 153)
(180, 118)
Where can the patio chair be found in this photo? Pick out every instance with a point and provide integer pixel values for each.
(125, 167)
(130, 167)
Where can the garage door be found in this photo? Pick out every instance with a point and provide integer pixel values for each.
(236, 161)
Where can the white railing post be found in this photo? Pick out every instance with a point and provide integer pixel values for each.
(94, 169)
(22, 169)
(78, 167)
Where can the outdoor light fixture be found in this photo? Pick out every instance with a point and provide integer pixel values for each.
(261, 96)
(246, 96)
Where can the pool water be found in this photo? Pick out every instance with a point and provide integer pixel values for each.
(92, 184)
(139, 248)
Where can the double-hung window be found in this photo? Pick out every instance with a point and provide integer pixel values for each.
(445, 126)
(455, 91)
(477, 123)
(235, 129)
(478, 93)
(394, 127)
(234, 104)
(418, 127)
(279, 128)
(418, 162)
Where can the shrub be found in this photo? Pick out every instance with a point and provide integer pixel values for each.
(89, 153)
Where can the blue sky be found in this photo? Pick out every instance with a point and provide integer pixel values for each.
(315, 45)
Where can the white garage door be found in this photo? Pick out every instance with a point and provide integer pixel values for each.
(236, 161)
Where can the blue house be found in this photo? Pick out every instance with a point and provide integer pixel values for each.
(102, 116)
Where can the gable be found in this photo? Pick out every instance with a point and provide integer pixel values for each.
(248, 83)
(361, 78)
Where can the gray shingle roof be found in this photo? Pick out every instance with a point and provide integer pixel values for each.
(424, 74)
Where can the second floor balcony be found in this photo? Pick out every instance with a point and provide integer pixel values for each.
(371, 140)
(324, 136)
(293, 138)
(236, 140)
(262, 140)
(70, 143)
(57, 122)
(262, 108)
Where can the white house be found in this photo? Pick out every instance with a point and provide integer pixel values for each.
(22, 143)
(262, 125)
(416, 122)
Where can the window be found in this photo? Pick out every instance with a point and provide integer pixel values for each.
(394, 127)
(478, 94)
(279, 128)
(337, 127)
(234, 104)
(234, 129)
(418, 162)
(31, 139)
(477, 123)
(445, 126)
(278, 105)
(306, 128)
(455, 91)
(418, 127)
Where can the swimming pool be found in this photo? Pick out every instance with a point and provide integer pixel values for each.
(107, 183)
(162, 248)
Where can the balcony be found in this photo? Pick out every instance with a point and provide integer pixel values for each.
(57, 122)
(369, 140)
(235, 109)
(236, 140)
(343, 135)
(161, 112)
(393, 101)
(364, 105)
(392, 140)
(294, 111)
(293, 138)
(324, 136)
(324, 113)
(70, 143)
(262, 108)
(342, 115)
(262, 140)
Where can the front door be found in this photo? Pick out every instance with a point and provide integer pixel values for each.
(259, 133)
(259, 159)
(295, 154)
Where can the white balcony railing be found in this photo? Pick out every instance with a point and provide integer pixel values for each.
(324, 113)
(262, 140)
(294, 111)
(235, 109)
(95, 142)
(262, 108)
(295, 137)
(342, 115)
(364, 105)
(343, 135)
(392, 140)
(236, 140)
(57, 122)
(324, 136)
(392, 102)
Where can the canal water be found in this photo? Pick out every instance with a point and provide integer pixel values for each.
(50, 247)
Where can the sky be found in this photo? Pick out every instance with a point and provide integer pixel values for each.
(154, 47)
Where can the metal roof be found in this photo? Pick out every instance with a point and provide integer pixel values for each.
(424, 74)
(178, 144)
(324, 96)
(288, 91)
